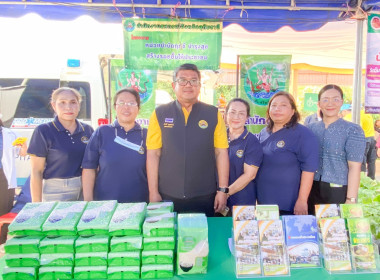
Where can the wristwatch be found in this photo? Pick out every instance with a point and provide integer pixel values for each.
(223, 190)
(351, 199)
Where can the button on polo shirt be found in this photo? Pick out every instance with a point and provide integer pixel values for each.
(63, 151)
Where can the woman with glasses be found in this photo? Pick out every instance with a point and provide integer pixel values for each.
(290, 158)
(57, 149)
(342, 146)
(245, 154)
(114, 164)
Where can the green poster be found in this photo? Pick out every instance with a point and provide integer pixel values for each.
(310, 102)
(143, 81)
(261, 76)
(164, 44)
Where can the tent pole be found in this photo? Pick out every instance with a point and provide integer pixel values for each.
(356, 98)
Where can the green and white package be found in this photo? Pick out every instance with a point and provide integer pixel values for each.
(157, 257)
(157, 208)
(126, 243)
(152, 271)
(160, 225)
(127, 219)
(130, 258)
(123, 272)
(22, 245)
(193, 249)
(22, 260)
(91, 259)
(159, 243)
(55, 272)
(56, 259)
(96, 218)
(92, 243)
(57, 244)
(64, 218)
(19, 273)
(351, 211)
(31, 218)
(90, 272)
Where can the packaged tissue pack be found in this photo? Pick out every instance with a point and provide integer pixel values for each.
(92, 243)
(129, 258)
(22, 260)
(124, 272)
(126, 243)
(55, 272)
(57, 244)
(19, 273)
(157, 208)
(22, 245)
(90, 272)
(160, 225)
(57, 259)
(157, 257)
(91, 259)
(127, 219)
(154, 271)
(193, 248)
(159, 243)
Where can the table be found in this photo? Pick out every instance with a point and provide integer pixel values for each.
(221, 262)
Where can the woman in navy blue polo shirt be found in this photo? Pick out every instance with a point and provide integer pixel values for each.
(114, 164)
(57, 149)
(342, 146)
(290, 158)
(245, 154)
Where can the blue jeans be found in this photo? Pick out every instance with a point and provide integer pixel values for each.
(62, 189)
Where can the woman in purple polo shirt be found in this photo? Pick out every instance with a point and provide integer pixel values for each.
(57, 150)
(114, 164)
(245, 154)
(290, 158)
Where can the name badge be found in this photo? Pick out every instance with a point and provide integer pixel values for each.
(335, 185)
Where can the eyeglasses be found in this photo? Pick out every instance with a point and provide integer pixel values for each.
(184, 82)
(240, 115)
(334, 100)
(128, 104)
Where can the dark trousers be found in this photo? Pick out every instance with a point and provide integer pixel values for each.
(6, 202)
(201, 204)
(322, 193)
(369, 159)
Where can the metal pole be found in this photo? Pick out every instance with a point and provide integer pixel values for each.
(356, 97)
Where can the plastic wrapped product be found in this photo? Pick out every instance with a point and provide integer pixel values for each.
(159, 243)
(123, 272)
(243, 213)
(351, 211)
(57, 259)
(90, 272)
(31, 218)
(126, 243)
(130, 258)
(326, 211)
(267, 212)
(274, 260)
(96, 217)
(336, 256)
(193, 249)
(54, 273)
(64, 218)
(160, 225)
(19, 273)
(333, 230)
(91, 259)
(157, 257)
(57, 244)
(271, 232)
(157, 208)
(127, 219)
(22, 260)
(153, 271)
(92, 243)
(22, 245)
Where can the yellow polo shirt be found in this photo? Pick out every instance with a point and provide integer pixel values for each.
(366, 122)
(154, 136)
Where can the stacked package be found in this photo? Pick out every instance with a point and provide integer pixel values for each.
(158, 241)
(22, 252)
(125, 230)
(193, 247)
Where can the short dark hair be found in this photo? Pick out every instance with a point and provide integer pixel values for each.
(129, 90)
(245, 102)
(293, 120)
(186, 66)
(327, 87)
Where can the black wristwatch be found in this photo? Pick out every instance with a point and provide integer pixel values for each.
(223, 190)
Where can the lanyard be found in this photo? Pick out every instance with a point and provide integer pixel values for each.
(130, 145)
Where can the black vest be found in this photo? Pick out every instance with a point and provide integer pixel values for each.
(187, 165)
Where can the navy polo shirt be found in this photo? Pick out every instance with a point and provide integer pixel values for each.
(63, 151)
(245, 149)
(287, 153)
(122, 171)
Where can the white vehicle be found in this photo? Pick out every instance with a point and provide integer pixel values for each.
(25, 99)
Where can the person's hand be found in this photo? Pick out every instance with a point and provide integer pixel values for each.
(155, 197)
(300, 208)
(220, 202)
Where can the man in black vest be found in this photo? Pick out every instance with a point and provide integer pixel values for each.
(187, 150)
